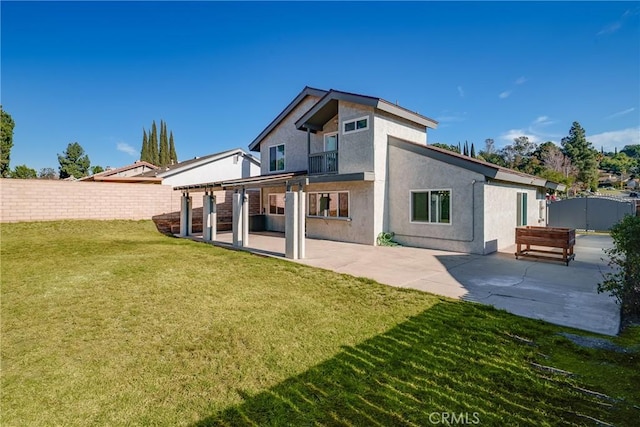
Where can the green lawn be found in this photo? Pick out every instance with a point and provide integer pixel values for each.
(112, 323)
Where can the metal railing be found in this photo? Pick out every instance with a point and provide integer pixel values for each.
(323, 163)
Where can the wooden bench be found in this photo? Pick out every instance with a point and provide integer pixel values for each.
(550, 237)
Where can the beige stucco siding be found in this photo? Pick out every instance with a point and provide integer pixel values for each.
(409, 171)
(295, 141)
(501, 211)
(358, 228)
(355, 148)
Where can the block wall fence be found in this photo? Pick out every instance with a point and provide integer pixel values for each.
(49, 200)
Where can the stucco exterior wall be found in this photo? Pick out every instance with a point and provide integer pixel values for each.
(218, 170)
(385, 126)
(295, 141)
(358, 228)
(409, 171)
(355, 149)
(501, 211)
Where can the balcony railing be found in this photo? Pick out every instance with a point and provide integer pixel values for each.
(322, 163)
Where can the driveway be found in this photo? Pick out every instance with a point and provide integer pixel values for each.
(551, 291)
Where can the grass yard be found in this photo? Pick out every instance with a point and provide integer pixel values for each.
(112, 323)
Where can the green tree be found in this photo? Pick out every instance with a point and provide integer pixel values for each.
(473, 150)
(153, 145)
(623, 282)
(582, 155)
(73, 162)
(632, 151)
(47, 173)
(144, 151)
(24, 172)
(96, 169)
(453, 148)
(173, 157)
(6, 142)
(163, 154)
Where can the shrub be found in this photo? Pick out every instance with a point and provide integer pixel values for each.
(624, 282)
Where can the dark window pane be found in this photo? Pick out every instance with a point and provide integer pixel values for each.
(344, 205)
(349, 126)
(420, 207)
(333, 204)
(272, 158)
(361, 124)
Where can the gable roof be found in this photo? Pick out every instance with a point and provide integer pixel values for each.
(487, 169)
(307, 91)
(327, 107)
(171, 170)
(110, 172)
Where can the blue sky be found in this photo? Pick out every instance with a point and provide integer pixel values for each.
(218, 73)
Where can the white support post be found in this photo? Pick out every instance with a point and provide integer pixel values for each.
(213, 217)
(185, 216)
(237, 219)
(245, 218)
(291, 231)
(302, 208)
(208, 217)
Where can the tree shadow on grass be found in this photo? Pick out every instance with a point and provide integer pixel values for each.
(455, 361)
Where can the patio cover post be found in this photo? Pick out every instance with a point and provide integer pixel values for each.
(185, 215)
(209, 217)
(302, 202)
(245, 218)
(236, 227)
(291, 231)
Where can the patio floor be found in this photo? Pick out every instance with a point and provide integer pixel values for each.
(552, 291)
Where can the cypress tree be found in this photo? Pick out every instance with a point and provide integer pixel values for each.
(173, 157)
(153, 144)
(473, 150)
(466, 148)
(164, 145)
(144, 152)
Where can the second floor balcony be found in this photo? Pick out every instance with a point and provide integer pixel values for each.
(323, 163)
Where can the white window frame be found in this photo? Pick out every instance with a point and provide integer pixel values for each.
(522, 207)
(324, 140)
(355, 122)
(316, 193)
(269, 204)
(284, 163)
(430, 190)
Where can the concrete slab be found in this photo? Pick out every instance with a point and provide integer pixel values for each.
(551, 291)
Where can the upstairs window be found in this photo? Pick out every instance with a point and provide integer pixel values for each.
(355, 125)
(276, 158)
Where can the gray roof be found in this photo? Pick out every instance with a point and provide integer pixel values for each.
(327, 107)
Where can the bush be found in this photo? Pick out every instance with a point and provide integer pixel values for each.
(624, 282)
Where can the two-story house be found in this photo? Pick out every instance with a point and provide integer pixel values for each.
(360, 165)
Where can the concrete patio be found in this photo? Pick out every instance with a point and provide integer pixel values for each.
(536, 289)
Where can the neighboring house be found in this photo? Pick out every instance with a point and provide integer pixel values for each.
(130, 174)
(361, 165)
(231, 164)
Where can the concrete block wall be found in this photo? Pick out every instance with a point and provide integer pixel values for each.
(49, 200)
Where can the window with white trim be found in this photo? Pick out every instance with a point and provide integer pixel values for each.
(521, 209)
(355, 125)
(276, 158)
(334, 204)
(431, 206)
(276, 204)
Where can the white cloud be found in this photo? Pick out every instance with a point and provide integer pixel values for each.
(520, 80)
(541, 120)
(621, 113)
(126, 148)
(504, 94)
(461, 91)
(512, 134)
(451, 116)
(617, 138)
(615, 26)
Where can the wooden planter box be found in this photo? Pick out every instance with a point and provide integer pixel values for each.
(546, 237)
